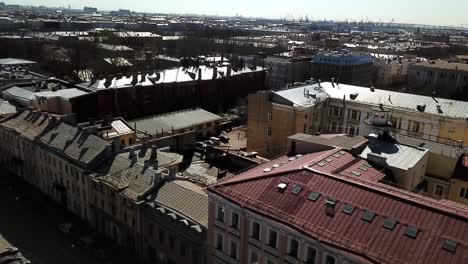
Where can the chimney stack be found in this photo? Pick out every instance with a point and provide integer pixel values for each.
(153, 160)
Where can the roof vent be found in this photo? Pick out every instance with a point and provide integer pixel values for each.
(282, 187)
(421, 107)
(275, 166)
(267, 170)
(372, 89)
(292, 159)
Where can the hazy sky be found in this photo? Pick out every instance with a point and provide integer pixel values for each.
(436, 12)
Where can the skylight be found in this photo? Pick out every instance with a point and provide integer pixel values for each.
(355, 173)
(389, 224)
(449, 245)
(368, 216)
(296, 189)
(348, 209)
(313, 196)
(411, 232)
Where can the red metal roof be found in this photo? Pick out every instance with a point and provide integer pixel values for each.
(437, 221)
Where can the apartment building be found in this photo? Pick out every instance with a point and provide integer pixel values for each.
(275, 115)
(390, 70)
(443, 78)
(121, 193)
(290, 210)
(283, 71)
(53, 156)
(349, 68)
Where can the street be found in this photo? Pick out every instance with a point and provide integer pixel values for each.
(29, 222)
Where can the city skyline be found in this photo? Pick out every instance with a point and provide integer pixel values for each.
(431, 12)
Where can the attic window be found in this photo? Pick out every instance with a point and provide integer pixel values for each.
(368, 217)
(389, 224)
(450, 245)
(313, 196)
(296, 189)
(348, 209)
(329, 160)
(321, 164)
(411, 232)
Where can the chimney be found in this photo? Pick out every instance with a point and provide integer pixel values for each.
(132, 156)
(333, 82)
(153, 160)
(215, 73)
(330, 207)
(199, 74)
(229, 70)
(319, 82)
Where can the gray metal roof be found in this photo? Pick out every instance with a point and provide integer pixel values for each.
(397, 155)
(341, 141)
(402, 101)
(28, 124)
(134, 177)
(74, 143)
(6, 108)
(185, 198)
(175, 120)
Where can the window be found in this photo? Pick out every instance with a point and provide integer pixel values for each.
(351, 130)
(311, 255)
(194, 256)
(269, 132)
(220, 214)
(464, 193)
(451, 130)
(439, 190)
(270, 116)
(293, 247)
(255, 230)
(161, 235)
(272, 238)
(171, 243)
(254, 259)
(235, 220)
(354, 115)
(182, 249)
(219, 242)
(233, 250)
(330, 260)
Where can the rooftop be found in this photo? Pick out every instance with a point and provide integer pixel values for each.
(363, 231)
(302, 96)
(174, 121)
(185, 198)
(395, 100)
(6, 108)
(170, 76)
(72, 143)
(134, 176)
(341, 141)
(14, 61)
(444, 65)
(395, 154)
